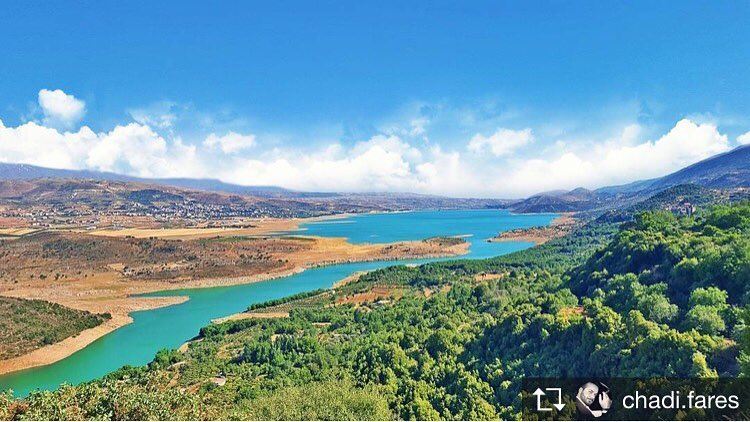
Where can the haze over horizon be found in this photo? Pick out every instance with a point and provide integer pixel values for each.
(511, 105)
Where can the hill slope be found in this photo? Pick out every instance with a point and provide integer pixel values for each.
(11, 171)
(727, 171)
(730, 170)
(311, 203)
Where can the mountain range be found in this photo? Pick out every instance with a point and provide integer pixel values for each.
(730, 170)
(27, 185)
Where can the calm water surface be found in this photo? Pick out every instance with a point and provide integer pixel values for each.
(137, 343)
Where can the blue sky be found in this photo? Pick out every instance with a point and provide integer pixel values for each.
(322, 84)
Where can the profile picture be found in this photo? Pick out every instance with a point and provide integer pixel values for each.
(593, 399)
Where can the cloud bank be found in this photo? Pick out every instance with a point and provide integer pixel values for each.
(620, 161)
(506, 163)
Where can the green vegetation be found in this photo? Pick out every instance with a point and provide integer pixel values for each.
(680, 198)
(689, 273)
(287, 299)
(446, 240)
(30, 324)
(661, 296)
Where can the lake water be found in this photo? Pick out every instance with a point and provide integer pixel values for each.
(137, 343)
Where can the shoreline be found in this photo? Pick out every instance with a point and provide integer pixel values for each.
(132, 298)
(56, 352)
(208, 283)
(261, 315)
(561, 225)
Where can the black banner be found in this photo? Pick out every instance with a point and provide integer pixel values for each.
(636, 399)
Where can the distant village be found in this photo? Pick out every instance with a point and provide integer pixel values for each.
(186, 212)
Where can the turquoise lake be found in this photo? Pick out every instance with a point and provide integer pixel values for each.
(137, 343)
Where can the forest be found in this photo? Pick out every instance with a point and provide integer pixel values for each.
(657, 295)
(29, 324)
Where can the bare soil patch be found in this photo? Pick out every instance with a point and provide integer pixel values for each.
(559, 227)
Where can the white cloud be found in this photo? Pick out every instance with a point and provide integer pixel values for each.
(231, 142)
(502, 142)
(619, 162)
(32, 143)
(60, 109)
(380, 163)
(132, 149)
(395, 162)
(137, 149)
(744, 139)
(447, 172)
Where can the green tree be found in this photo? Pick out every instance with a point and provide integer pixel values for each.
(705, 319)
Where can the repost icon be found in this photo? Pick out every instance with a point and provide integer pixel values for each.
(556, 393)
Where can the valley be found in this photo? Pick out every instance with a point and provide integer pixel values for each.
(197, 299)
(105, 272)
(133, 261)
(398, 342)
(374, 211)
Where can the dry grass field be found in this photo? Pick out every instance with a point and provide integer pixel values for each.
(255, 227)
(559, 227)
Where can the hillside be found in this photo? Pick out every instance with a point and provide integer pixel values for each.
(679, 199)
(92, 202)
(79, 200)
(559, 201)
(11, 171)
(314, 202)
(29, 324)
(728, 172)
